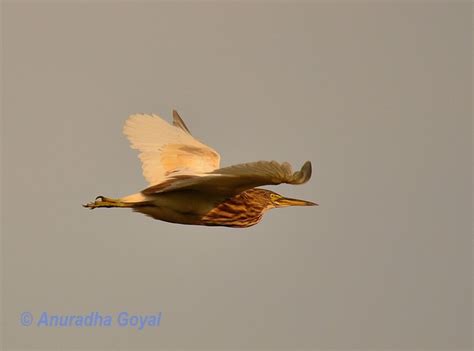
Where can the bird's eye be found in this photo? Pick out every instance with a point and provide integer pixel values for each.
(274, 196)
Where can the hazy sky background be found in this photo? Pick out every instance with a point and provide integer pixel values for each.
(377, 96)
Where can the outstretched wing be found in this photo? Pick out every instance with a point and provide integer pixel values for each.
(235, 179)
(167, 150)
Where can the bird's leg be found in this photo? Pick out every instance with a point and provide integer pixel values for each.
(102, 201)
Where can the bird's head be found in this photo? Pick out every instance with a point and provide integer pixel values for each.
(278, 200)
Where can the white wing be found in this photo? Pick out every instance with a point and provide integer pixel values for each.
(168, 150)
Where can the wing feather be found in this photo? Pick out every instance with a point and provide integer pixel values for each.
(167, 150)
(235, 179)
(178, 122)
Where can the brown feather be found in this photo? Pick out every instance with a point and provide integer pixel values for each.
(242, 210)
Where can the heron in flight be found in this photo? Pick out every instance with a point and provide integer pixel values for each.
(188, 187)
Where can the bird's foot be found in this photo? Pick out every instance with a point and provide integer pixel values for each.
(100, 201)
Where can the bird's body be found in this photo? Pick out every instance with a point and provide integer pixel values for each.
(190, 207)
(188, 187)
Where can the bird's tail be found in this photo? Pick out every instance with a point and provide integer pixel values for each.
(102, 201)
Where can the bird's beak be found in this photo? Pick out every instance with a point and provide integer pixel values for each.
(286, 201)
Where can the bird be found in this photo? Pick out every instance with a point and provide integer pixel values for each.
(187, 184)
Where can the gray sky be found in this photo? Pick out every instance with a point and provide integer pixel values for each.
(377, 96)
